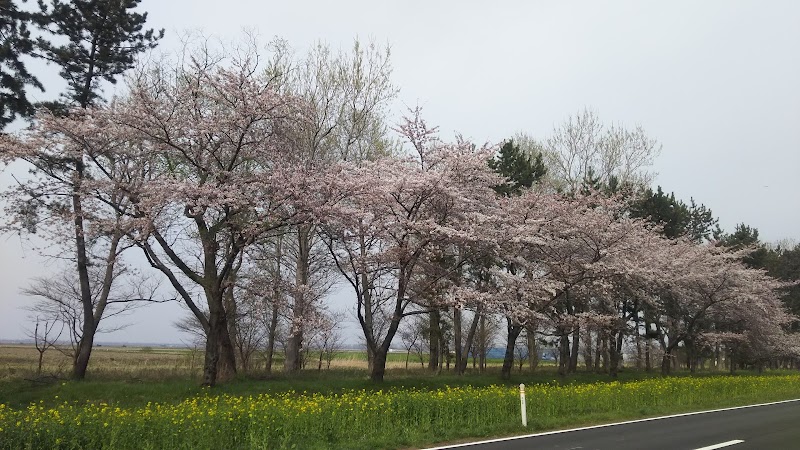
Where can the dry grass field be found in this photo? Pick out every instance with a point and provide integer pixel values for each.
(19, 361)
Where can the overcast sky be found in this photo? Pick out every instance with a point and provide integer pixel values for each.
(717, 83)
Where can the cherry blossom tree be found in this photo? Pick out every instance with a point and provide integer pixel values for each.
(345, 95)
(409, 207)
(207, 167)
(56, 202)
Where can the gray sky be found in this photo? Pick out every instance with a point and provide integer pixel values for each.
(717, 83)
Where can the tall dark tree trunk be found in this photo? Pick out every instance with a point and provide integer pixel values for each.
(229, 303)
(666, 364)
(563, 352)
(81, 362)
(294, 346)
(226, 368)
(434, 341)
(533, 348)
(89, 327)
(95, 311)
(220, 364)
(272, 332)
(211, 357)
(573, 356)
(457, 338)
(381, 350)
(639, 347)
(615, 353)
(461, 364)
(588, 355)
(513, 332)
(598, 350)
(482, 350)
(379, 366)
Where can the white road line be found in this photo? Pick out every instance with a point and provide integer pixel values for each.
(547, 433)
(721, 445)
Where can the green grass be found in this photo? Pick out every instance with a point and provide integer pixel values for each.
(342, 409)
(136, 392)
(151, 398)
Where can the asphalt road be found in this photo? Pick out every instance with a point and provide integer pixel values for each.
(765, 427)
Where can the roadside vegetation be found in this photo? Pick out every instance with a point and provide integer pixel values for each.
(166, 407)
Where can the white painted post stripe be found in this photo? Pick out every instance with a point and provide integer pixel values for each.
(721, 445)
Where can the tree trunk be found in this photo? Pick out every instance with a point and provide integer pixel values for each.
(39, 367)
(573, 358)
(232, 325)
(598, 348)
(533, 348)
(81, 362)
(461, 366)
(89, 326)
(277, 294)
(666, 364)
(508, 360)
(457, 338)
(211, 359)
(379, 366)
(639, 349)
(563, 352)
(482, 350)
(220, 364)
(616, 341)
(294, 353)
(294, 347)
(435, 340)
(271, 334)
(588, 355)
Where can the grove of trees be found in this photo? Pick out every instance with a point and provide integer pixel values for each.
(253, 188)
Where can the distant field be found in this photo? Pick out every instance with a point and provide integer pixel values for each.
(19, 361)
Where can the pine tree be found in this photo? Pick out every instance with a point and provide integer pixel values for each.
(521, 169)
(103, 39)
(677, 219)
(105, 36)
(14, 76)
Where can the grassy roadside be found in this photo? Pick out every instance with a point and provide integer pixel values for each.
(340, 411)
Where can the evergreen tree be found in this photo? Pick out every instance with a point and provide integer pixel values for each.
(785, 265)
(104, 38)
(521, 169)
(15, 43)
(746, 236)
(677, 219)
(662, 209)
(702, 223)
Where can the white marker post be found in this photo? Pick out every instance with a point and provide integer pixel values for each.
(522, 405)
